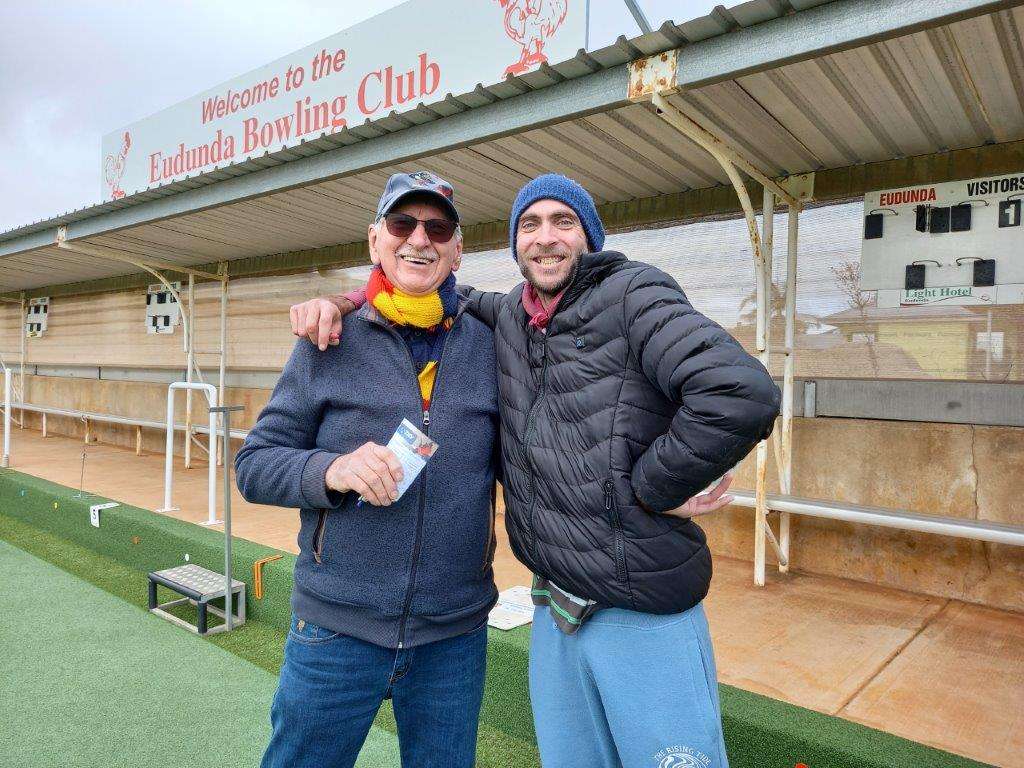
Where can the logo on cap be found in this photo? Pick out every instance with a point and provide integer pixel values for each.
(427, 179)
(402, 184)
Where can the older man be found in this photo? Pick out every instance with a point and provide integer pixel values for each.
(619, 403)
(391, 593)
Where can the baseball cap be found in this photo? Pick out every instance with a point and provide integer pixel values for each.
(401, 185)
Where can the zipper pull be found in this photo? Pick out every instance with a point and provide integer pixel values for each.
(608, 488)
(426, 417)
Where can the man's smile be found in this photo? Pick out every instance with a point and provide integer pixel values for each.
(548, 260)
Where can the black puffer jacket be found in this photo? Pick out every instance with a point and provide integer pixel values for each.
(631, 398)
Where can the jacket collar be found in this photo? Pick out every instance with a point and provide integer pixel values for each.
(591, 269)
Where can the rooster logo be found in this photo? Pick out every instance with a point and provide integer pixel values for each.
(529, 23)
(113, 167)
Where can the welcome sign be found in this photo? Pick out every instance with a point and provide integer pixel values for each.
(417, 52)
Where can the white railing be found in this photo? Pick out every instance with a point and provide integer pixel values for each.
(879, 516)
(109, 418)
(961, 528)
(91, 416)
(211, 396)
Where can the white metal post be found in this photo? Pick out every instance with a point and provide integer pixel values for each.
(189, 362)
(792, 241)
(229, 611)
(6, 459)
(211, 396)
(764, 286)
(21, 375)
(223, 269)
(763, 282)
(224, 411)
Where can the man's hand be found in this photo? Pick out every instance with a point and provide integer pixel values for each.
(319, 319)
(372, 471)
(704, 503)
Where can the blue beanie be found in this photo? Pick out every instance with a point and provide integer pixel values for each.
(553, 186)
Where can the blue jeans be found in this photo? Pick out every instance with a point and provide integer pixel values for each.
(628, 690)
(332, 686)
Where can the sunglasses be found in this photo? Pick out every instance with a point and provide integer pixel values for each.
(403, 225)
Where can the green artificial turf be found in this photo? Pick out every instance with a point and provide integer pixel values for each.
(99, 682)
(760, 732)
(131, 542)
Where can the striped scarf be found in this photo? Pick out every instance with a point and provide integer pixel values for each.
(433, 312)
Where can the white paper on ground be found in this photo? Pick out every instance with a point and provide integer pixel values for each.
(514, 609)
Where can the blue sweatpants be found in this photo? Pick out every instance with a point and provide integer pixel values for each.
(628, 690)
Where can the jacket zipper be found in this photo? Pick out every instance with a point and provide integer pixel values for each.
(613, 513)
(417, 543)
(533, 411)
(318, 536)
(418, 540)
(488, 555)
(526, 441)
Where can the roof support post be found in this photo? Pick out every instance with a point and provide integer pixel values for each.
(190, 359)
(717, 148)
(729, 159)
(763, 311)
(151, 267)
(5, 459)
(19, 390)
(222, 270)
(20, 376)
(792, 237)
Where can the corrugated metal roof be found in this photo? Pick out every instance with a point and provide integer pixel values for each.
(951, 86)
(669, 35)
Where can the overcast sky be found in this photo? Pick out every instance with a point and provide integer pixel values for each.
(71, 71)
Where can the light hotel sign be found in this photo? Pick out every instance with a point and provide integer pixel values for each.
(415, 53)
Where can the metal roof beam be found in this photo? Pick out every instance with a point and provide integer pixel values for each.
(718, 148)
(102, 252)
(28, 242)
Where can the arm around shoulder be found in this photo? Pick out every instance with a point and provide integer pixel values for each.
(483, 305)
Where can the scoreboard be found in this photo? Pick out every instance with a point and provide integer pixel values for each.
(956, 243)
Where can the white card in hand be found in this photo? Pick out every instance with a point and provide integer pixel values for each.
(413, 449)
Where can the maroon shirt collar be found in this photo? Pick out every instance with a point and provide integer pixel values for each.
(539, 315)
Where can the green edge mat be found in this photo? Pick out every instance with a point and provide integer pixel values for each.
(48, 521)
